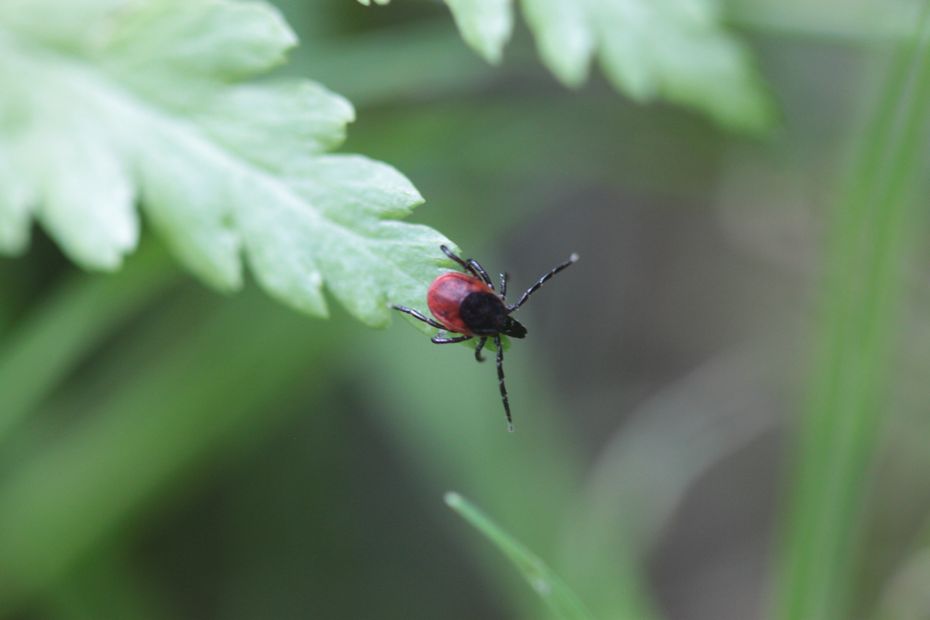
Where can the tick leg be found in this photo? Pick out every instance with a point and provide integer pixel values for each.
(504, 278)
(419, 316)
(464, 265)
(500, 381)
(476, 266)
(468, 265)
(480, 346)
(545, 278)
(441, 340)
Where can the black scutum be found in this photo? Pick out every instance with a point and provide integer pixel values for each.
(484, 313)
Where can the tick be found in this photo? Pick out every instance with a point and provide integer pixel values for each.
(467, 304)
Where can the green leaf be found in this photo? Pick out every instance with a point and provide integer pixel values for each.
(559, 598)
(675, 50)
(486, 25)
(107, 103)
(564, 37)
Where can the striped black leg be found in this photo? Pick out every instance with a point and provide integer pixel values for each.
(500, 381)
(443, 340)
(571, 260)
(480, 346)
(461, 261)
(419, 316)
(504, 278)
(471, 265)
(484, 274)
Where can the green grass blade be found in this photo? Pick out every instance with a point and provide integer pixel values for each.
(871, 238)
(561, 601)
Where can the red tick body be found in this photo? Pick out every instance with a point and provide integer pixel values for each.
(445, 297)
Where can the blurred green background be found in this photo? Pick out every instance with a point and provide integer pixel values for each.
(169, 452)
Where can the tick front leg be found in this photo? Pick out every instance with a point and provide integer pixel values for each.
(476, 266)
(470, 265)
(420, 316)
(545, 278)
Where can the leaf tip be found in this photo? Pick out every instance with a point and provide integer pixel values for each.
(485, 29)
(567, 55)
(453, 500)
(270, 25)
(13, 242)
